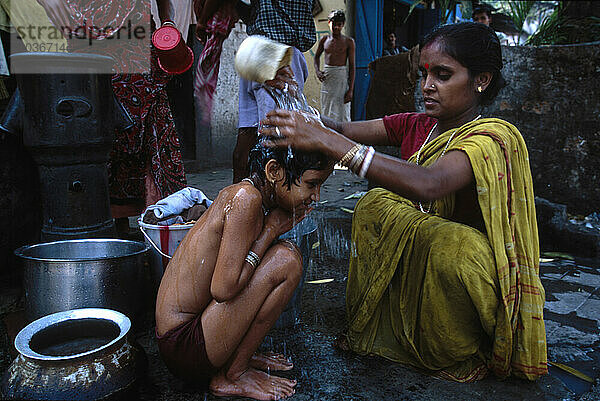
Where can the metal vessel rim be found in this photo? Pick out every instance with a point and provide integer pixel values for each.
(20, 251)
(24, 336)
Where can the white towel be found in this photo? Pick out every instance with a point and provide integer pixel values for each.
(175, 204)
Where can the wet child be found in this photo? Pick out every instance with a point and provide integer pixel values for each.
(231, 278)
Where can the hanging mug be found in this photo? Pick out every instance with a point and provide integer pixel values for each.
(174, 55)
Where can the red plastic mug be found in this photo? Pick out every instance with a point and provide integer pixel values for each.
(174, 55)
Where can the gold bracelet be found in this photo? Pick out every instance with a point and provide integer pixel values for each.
(358, 159)
(348, 156)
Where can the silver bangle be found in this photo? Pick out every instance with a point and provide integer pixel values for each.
(253, 259)
(367, 162)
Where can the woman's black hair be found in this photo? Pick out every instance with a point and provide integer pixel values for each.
(294, 162)
(476, 47)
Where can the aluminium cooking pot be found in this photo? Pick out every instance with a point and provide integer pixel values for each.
(84, 273)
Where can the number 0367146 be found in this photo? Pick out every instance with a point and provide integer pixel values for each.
(46, 47)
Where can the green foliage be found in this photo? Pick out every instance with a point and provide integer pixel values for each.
(559, 29)
(446, 8)
(520, 11)
(466, 9)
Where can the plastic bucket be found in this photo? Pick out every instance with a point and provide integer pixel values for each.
(163, 241)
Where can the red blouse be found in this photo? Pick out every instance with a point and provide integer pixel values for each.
(408, 131)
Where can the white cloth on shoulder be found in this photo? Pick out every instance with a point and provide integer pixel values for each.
(175, 204)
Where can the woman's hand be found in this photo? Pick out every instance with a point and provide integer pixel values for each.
(59, 13)
(300, 130)
(281, 221)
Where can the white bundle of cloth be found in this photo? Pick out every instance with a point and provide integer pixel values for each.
(176, 204)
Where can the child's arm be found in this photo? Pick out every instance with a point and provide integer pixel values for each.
(241, 233)
(241, 227)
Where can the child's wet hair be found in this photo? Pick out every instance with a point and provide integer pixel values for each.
(294, 163)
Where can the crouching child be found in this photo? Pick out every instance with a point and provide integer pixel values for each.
(231, 278)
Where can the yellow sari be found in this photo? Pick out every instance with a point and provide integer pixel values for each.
(439, 295)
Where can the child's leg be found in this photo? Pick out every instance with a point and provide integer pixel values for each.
(234, 329)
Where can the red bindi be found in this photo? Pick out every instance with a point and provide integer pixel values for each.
(426, 66)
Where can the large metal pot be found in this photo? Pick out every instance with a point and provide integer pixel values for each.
(87, 273)
(80, 354)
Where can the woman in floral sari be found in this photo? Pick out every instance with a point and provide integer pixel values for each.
(444, 263)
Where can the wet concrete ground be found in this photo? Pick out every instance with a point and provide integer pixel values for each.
(572, 316)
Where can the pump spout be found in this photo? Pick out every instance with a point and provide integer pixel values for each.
(12, 120)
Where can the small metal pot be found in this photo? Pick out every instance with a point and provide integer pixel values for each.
(80, 354)
(87, 273)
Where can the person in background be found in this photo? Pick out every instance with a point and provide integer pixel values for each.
(483, 14)
(289, 22)
(444, 268)
(337, 78)
(390, 47)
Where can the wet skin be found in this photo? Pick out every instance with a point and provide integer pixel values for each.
(238, 305)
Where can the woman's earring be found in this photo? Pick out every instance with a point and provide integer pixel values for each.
(479, 89)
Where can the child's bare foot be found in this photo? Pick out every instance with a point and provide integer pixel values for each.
(254, 384)
(271, 361)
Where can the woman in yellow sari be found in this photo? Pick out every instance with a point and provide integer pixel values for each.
(444, 270)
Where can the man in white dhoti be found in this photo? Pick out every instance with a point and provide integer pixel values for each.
(337, 77)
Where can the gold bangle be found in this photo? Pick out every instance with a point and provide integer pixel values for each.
(358, 159)
(348, 156)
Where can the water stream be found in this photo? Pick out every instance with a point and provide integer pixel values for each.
(285, 99)
(328, 242)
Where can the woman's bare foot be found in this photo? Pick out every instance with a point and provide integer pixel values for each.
(254, 384)
(270, 361)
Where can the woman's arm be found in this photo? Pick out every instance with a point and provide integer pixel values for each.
(370, 132)
(449, 174)
(58, 12)
(165, 11)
